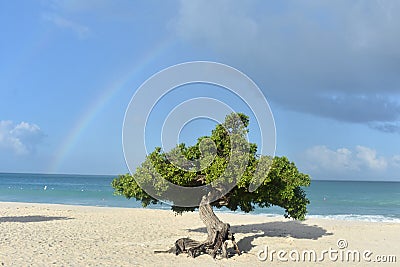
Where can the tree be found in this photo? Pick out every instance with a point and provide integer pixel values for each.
(220, 155)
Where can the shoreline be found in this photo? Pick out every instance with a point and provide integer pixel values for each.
(46, 234)
(336, 217)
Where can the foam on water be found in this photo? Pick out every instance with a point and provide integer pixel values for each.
(356, 217)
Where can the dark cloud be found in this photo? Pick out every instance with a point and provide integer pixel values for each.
(371, 109)
(336, 59)
(386, 127)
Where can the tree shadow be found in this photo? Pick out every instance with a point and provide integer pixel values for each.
(32, 218)
(294, 229)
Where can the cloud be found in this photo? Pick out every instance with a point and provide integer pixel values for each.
(361, 159)
(20, 139)
(334, 59)
(367, 157)
(81, 30)
(321, 157)
(386, 127)
(396, 161)
(377, 111)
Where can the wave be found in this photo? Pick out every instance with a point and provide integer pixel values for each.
(343, 217)
(357, 217)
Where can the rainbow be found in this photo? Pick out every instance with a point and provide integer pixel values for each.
(83, 122)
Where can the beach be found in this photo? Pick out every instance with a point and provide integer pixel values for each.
(66, 235)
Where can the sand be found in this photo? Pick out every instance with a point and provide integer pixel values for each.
(62, 235)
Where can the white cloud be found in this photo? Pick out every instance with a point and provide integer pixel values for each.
(395, 161)
(363, 158)
(368, 157)
(81, 30)
(20, 139)
(321, 157)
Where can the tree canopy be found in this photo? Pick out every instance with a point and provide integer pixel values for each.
(209, 159)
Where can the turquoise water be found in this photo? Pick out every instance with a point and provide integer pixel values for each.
(371, 201)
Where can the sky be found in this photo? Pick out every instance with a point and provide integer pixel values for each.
(330, 71)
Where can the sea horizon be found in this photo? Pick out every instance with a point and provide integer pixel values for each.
(116, 175)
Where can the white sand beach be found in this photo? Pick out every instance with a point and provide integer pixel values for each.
(62, 235)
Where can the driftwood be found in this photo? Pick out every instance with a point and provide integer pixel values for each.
(217, 239)
(182, 245)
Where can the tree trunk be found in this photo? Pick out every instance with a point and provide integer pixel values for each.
(217, 230)
(218, 234)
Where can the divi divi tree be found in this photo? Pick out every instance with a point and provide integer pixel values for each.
(212, 157)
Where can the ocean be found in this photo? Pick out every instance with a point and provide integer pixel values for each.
(345, 200)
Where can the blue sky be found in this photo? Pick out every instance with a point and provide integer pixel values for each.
(329, 69)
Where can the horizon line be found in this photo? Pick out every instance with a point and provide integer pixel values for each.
(91, 174)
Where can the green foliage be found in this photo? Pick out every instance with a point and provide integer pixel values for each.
(282, 186)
